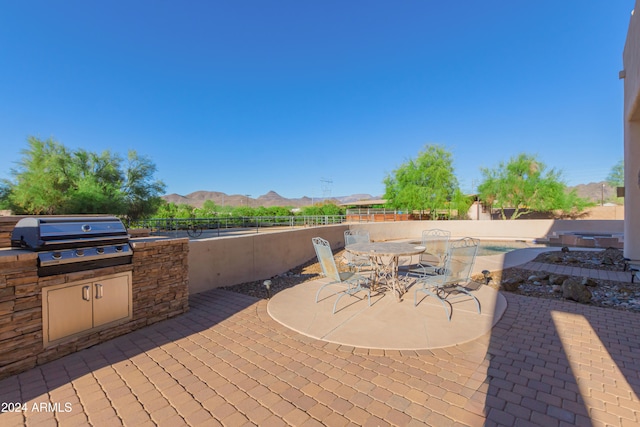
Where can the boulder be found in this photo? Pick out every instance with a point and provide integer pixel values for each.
(574, 290)
(565, 249)
(512, 284)
(555, 258)
(587, 281)
(540, 277)
(607, 260)
(557, 279)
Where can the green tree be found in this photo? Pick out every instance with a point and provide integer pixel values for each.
(95, 184)
(261, 211)
(331, 208)
(166, 210)
(524, 185)
(172, 210)
(50, 179)
(616, 175)
(141, 190)
(328, 207)
(279, 211)
(425, 183)
(242, 211)
(460, 204)
(184, 211)
(616, 179)
(41, 181)
(311, 210)
(5, 191)
(208, 210)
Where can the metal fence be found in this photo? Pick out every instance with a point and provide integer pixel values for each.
(195, 227)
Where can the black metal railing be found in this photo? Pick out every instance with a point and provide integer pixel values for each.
(196, 227)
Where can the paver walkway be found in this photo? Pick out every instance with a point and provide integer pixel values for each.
(226, 362)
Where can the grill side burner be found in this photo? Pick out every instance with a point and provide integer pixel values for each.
(68, 244)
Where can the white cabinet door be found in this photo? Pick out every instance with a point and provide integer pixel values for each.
(69, 310)
(111, 300)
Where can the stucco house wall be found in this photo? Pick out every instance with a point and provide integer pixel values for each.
(631, 118)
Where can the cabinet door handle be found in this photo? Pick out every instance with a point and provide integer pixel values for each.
(85, 293)
(98, 291)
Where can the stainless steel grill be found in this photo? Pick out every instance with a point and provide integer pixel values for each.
(67, 244)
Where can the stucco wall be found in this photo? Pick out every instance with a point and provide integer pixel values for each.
(518, 229)
(227, 261)
(631, 118)
(631, 62)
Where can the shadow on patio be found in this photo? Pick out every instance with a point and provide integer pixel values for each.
(227, 362)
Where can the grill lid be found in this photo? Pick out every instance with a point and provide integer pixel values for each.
(46, 233)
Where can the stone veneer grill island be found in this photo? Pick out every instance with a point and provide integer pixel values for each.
(159, 290)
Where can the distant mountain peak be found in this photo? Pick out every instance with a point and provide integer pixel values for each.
(272, 198)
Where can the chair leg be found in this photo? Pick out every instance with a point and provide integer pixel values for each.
(464, 291)
(336, 303)
(428, 292)
(352, 291)
(321, 288)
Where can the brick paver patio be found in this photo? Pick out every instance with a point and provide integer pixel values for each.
(226, 362)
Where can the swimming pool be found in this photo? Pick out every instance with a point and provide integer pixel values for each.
(497, 247)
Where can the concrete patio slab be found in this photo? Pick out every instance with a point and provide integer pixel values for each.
(387, 323)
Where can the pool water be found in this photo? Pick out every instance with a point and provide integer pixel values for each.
(497, 247)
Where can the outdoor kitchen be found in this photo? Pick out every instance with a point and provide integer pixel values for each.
(67, 283)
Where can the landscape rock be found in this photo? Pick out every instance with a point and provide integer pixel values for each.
(565, 249)
(557, 279)
(555, 257)
(607, 260)
(512, 284)
(574, 290)
(587, 281)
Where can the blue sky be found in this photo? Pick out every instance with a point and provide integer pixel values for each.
(249, 96)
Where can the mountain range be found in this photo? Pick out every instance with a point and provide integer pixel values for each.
(597, 192)
(197, 199)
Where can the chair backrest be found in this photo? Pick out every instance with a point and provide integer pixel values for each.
(460, 260)
(356, 236)
(325, 258)
(351, 237)
(436, 243)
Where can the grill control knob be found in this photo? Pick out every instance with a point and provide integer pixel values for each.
(56, 255)
(118, 248)
(79, 252)
(100, 251)
(86, 228)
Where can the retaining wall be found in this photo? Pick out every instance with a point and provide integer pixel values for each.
(228, 261)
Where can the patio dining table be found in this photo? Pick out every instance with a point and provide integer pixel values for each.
(384, 258)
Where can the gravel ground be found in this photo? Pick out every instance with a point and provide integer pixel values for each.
(300, 274)
(608, 294)
(605, 293)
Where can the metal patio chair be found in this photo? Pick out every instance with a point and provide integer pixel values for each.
(436, 243)
(353, 281)
(448, 285)
(356, 262)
